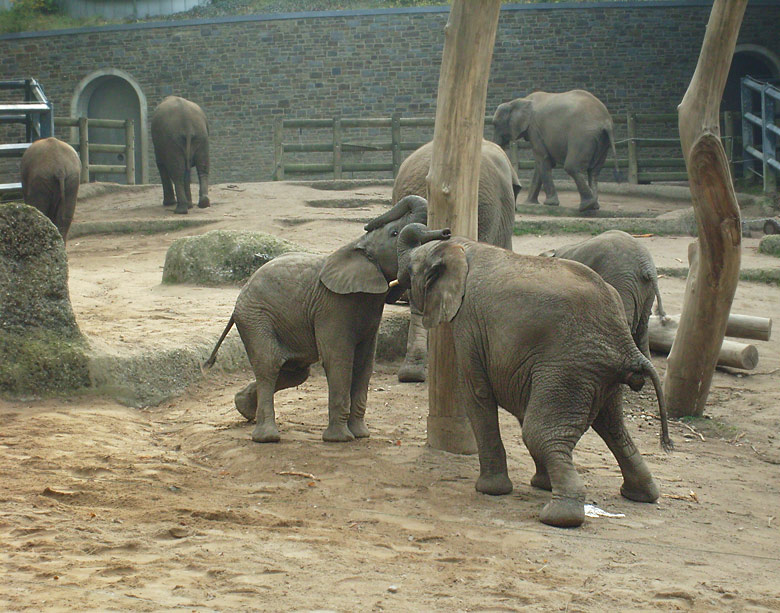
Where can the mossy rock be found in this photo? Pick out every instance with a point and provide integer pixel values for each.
(221, 257)
(770, 245)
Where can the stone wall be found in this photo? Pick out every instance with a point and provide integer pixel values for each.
(248, 71)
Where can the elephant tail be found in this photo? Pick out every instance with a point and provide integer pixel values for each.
(611, 136)
(635, 379)
(187, 156)
(650, 275)
(210, 362)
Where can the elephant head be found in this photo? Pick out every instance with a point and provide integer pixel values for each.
(370, 262)
(435, 273)
(511, 121)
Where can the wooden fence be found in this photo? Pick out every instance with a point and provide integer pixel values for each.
(645, 158)
(84, 147)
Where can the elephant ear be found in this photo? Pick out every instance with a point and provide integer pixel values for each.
(439, 282)
(520, 117)
(348, 271)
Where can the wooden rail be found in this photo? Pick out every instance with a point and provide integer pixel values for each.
(640, 169)
(84, 147)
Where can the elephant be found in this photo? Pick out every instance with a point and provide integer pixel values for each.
(299, 308)
(547, 340)
(572, 128)
(180, 134)
(498, 189)
(51, 171)
(626, 264)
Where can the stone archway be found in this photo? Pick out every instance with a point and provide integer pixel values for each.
(114, 94)
(749, 60)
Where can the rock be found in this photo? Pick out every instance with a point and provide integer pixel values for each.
(770, 245)
(41, 347)
(221, 257)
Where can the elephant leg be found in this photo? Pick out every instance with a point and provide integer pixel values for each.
(555, 419)
(535, 187)
(588, 201)
(180, 176)
(638, 483)
(66, 207)
(338, 354)
(551, 194)
(413, 368)
(265, 430)
(169, 198)
(593, 182)
(202, 166)
(362, 368)
(246, 399)
(188, 187)
(482, 411)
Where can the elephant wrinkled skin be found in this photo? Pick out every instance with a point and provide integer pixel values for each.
(547, 340)
(498, 189)
(180, 134)
(51, 171)
(626, 264)
(299, 308)
(572, 128)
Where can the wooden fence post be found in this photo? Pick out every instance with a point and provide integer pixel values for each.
(633, 165)
(278, 150)
(748, 161)
(130, 152)
(337, 147)
(395, 138)
(768, 140)
(728, 135)
(84, 149)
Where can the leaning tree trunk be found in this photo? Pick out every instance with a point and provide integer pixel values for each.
(453, 181)
(713, 276)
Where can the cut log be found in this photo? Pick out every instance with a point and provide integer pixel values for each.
(732, 353)
(743, 326)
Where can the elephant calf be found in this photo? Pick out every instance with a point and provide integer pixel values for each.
(547, 340)
(51, 171)
(299, 308)
(180, 134)
(626, 264)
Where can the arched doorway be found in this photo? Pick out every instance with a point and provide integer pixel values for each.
(749, 60)
(114, 94)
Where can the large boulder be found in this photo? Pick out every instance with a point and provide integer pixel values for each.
(221, 257)
(770, 245)
(41, 347)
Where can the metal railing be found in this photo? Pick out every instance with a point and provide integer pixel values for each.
(765, 149)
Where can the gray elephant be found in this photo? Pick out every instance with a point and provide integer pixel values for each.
(51, 171)
(626, 264)
(498, 189)
(547, 340)
(572, 128)
(180, 134)
(299, 308)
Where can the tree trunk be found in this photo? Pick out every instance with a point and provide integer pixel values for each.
(453, 181)
(714, 274)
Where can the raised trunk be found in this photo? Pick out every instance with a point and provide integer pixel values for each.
(713, 275)
(453, 182)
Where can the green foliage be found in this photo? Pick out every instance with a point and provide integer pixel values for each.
(770, 245)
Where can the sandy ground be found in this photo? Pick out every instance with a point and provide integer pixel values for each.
(105, 507)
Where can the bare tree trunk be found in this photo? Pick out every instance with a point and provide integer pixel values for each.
(453, 181)
(714, 274)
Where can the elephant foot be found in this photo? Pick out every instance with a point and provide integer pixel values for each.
(541, 481)
(337, 433)
(532, 201)
(552, 202)
(181, 208)
(411, 372)
(494, 484)
(204, 203)
(246, 401)
(563, 512)
(641, 492)
(589, 205)
(265, 432)
(169, 202)
(357, 426)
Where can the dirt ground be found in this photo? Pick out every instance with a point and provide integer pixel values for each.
(106, 507)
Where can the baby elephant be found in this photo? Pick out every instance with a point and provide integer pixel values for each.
(51, 171)
(626, 264)
(545, 339)
(300, 307)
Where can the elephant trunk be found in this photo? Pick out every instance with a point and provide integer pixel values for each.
(408, 204)
(411, 237)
